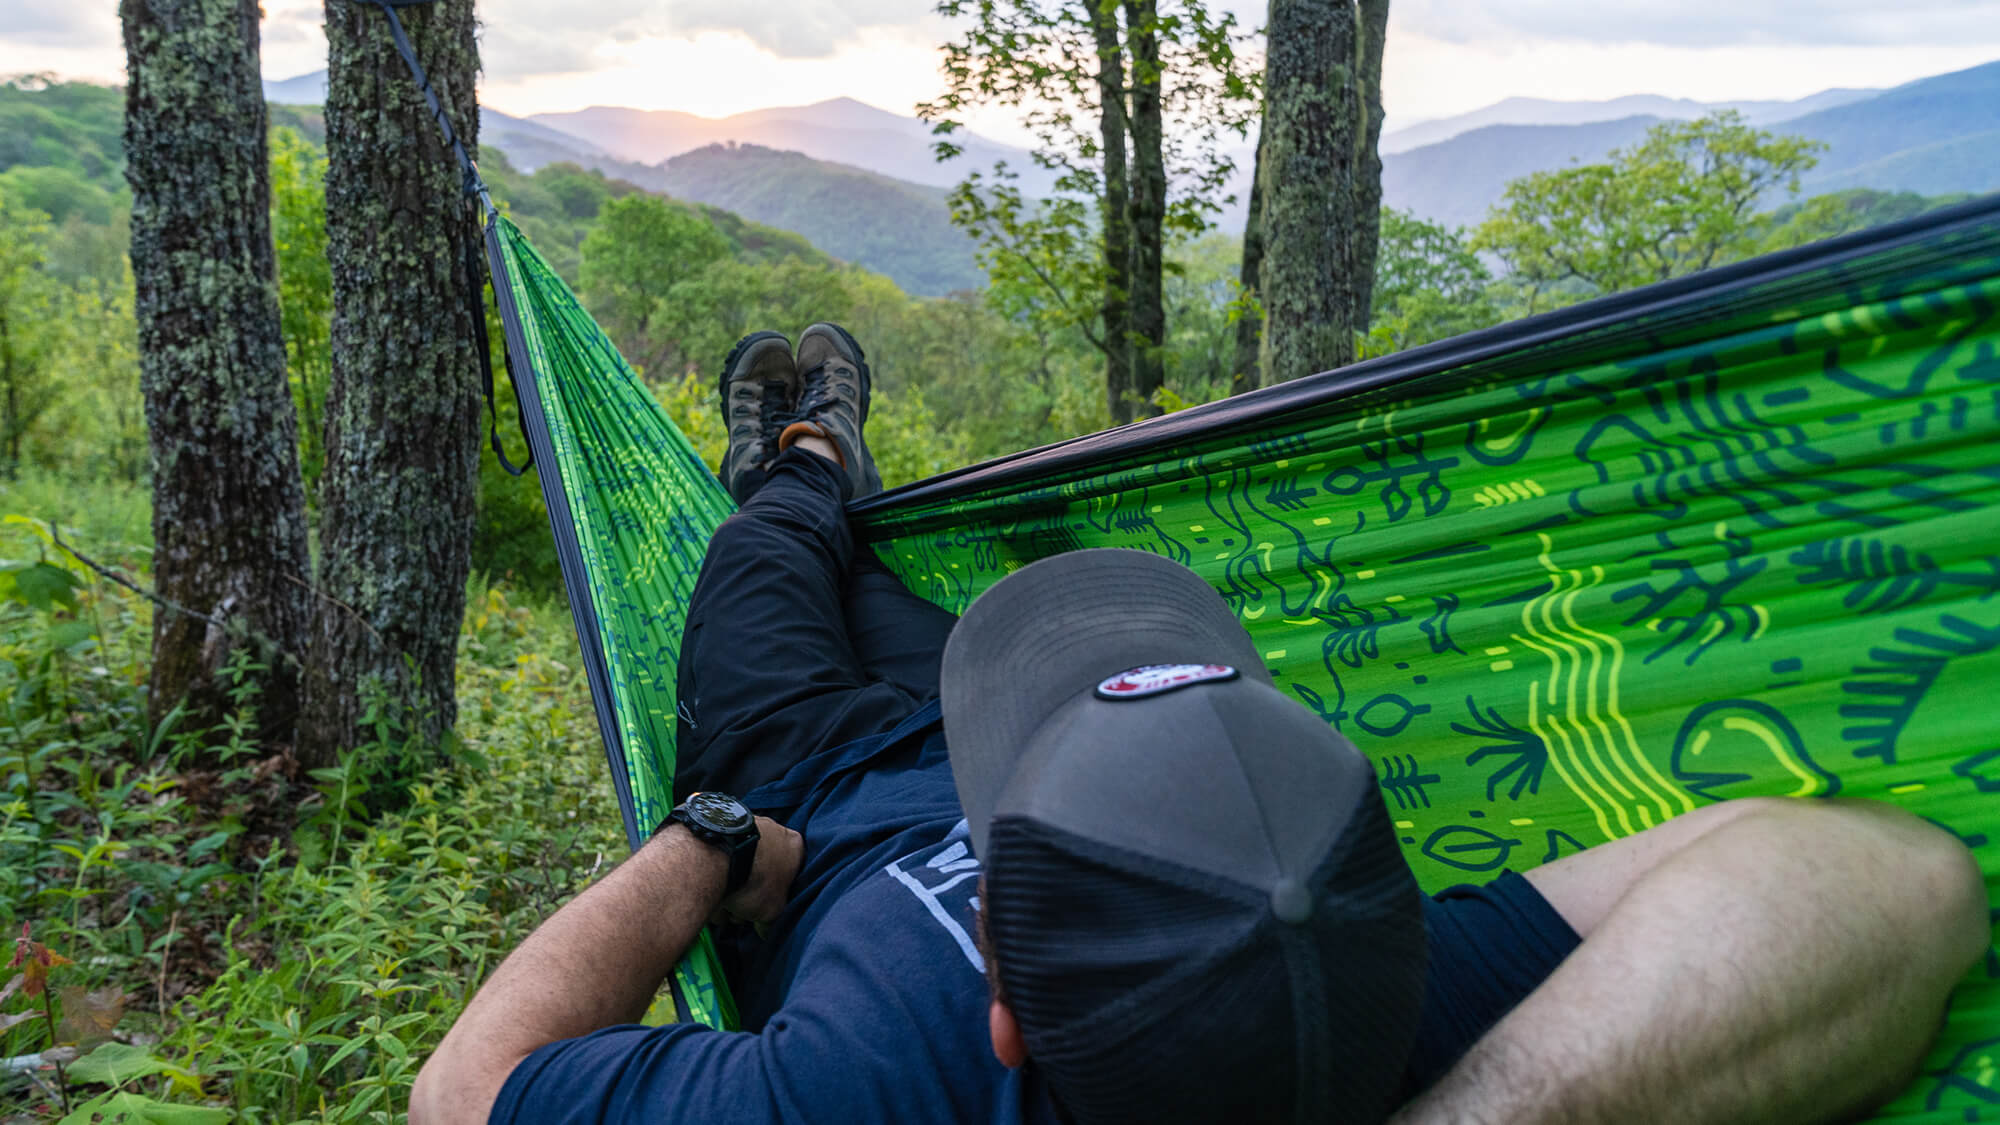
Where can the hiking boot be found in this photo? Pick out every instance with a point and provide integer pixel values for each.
(760, 392)
(834, 404)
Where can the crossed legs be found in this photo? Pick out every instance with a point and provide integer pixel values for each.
(796, 641)
(1755, 961)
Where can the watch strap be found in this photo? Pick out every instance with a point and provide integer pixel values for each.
(741, 849)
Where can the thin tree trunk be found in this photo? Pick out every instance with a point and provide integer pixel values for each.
(1149, 211)
(11, 468)
(1250, 329)
(229, 524)
(1367, 187)
(1117, 232)
(1321, 180)
(398, 488)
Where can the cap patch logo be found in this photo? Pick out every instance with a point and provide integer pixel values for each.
(1154, 679)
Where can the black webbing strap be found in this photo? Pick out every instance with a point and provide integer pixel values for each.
(475, 267)
(474, 260)
(473, 185)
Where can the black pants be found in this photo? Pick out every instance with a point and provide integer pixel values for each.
(796, 641)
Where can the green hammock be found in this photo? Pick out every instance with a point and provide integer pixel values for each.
(1732, 535)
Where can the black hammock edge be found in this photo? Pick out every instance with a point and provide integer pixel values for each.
(1589, 321)
(562, 524)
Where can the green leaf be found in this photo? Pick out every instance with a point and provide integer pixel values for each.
(44, 586)
(114, 1064)
(69, 634)
(167, 1113)
(122, 1108)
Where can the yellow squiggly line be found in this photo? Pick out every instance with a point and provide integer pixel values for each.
(1581, 692)
(1673, 793)
(1663, 793)
(1625, 791)
(1551, 737)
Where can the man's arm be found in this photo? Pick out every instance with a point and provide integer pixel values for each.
(595, 963)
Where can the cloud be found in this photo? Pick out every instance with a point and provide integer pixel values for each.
(1677, 23)
(798, 30)
(527, 38)
(58, 23)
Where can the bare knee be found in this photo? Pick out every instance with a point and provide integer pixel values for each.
(1913, 869)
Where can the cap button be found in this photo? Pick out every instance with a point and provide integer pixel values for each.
(1291, 902)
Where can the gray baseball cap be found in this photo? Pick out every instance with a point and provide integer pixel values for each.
(1175, 852)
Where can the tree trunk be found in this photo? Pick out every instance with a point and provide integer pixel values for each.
(1367, 242)
(1149, 212)
(229, 524)
(1321, 180)
(402, 454)
(1117, 234)
(1249, 330)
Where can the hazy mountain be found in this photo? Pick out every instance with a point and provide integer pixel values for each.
(841, 130)
(530, 144)
(1455, 181)
(304, 89)
(1543, 111)
(890, 226)
(1934, 136)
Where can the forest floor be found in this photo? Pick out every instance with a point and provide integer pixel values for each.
(205, 931)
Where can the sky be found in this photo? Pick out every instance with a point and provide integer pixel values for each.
(716, 57)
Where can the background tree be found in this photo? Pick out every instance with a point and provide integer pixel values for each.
(1146, 206)
(1248, 308)
(1134, 146)
(28, 327)
(641, 247)
(1684, 199)
(305, 289)
(1429, 285)
(397, 494)
(229, 529)
(1321, 178)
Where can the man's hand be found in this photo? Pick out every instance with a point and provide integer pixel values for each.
(780, 852)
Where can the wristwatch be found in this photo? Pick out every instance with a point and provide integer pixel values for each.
(720, 821)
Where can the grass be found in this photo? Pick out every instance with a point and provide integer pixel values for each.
(242, 943)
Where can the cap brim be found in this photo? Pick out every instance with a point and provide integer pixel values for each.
(1058, 627)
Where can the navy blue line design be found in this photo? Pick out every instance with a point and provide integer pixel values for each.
(1710, 593)
(1469, 849)
(1526, 756)
(1406, 782)
(1888, 690)
(1886, 576)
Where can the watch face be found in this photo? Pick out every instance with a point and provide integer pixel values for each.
(719, 811)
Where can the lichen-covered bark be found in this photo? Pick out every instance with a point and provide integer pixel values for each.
(229, 525)
(1117, 237)
(397, 491)
(1249, 330)
(1148, 211)
(1321, 180)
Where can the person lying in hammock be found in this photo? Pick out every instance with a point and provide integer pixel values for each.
(1073, 858)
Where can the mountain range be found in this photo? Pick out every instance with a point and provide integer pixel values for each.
(862, 184)
(1935, 136)
(1543, 111)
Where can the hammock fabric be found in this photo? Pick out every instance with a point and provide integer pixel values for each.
(1732, 535)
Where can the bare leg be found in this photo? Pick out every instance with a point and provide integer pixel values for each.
(1758, 961)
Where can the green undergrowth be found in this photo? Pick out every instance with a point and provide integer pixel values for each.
(208, 934)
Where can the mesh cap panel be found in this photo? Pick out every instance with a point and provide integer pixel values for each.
(1150, 992)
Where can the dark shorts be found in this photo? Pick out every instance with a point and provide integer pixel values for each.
(1489, 947)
